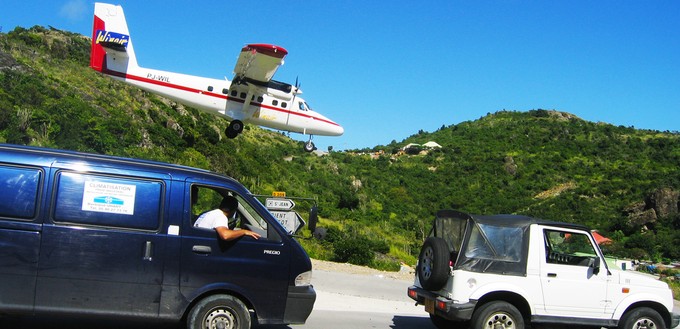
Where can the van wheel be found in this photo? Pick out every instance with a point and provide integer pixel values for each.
(642, 318)
(433, 264)
(497, 315)
(219, 312)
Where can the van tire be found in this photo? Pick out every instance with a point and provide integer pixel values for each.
(497, 314)
(642, 317)
(224, 309)
(433, 264)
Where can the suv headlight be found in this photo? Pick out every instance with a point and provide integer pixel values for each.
(303, 279)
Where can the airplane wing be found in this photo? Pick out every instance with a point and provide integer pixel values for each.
(259, 62)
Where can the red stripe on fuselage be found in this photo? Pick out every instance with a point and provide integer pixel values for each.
(198, 91)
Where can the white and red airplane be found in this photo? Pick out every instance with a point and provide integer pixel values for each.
(251, 97)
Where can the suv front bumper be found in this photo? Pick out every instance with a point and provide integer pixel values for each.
(440, 306)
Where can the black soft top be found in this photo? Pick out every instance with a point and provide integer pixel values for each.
(489, 243)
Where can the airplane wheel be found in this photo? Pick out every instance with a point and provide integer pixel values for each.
(235, 128)
(230, 133)
(309, 146)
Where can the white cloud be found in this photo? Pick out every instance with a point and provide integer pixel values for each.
(73, 10)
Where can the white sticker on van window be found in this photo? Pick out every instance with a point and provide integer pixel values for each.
(109, 197)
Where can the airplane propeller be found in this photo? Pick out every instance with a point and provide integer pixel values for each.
(297, 87)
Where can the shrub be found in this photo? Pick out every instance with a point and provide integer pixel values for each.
(355, 250)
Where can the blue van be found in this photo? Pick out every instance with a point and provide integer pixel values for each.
(93, 235)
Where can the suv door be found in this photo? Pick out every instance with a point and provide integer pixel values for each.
(257, 269)
(102, 251)
(570, 286)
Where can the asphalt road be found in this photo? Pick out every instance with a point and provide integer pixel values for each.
(363, 301)
(343, 301)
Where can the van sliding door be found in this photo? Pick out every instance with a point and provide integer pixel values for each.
(103, 251)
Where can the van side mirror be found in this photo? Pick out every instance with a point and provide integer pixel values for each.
(313, 218)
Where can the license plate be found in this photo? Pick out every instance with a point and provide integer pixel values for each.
(429, 306)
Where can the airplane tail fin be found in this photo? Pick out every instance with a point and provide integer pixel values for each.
(111, 50)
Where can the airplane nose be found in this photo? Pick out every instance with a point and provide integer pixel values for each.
(339, 130)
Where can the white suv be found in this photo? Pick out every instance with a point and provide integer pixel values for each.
(506, 271)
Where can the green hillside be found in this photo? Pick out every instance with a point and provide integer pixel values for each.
(377, 204)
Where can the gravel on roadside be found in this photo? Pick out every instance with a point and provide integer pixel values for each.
(406, 273)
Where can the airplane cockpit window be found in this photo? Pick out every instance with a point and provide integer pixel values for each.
(302, 106)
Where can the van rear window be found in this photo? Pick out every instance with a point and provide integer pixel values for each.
(19, 195)
(108, 201)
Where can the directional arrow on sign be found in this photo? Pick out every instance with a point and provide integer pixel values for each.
(279, 204)
(289, 220)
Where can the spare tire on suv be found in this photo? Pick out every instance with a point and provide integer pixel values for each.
(433, 264)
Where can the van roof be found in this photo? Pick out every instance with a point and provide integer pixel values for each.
(47, 156)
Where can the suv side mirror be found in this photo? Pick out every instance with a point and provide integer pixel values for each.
(594, 263)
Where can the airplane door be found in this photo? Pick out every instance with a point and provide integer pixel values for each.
(256, 269)
(102, 250)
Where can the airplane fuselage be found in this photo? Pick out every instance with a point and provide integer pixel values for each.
(251, 97)
(270, 107)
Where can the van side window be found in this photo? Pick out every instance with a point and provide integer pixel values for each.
(205, 198)
(108, 201)
(19, 187)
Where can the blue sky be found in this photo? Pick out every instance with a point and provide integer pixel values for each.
(385, 70)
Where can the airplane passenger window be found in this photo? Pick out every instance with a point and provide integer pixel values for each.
(284, 104)
(275, 102)
(260, 99)
(210, 88)
(243, 95)
(225, 91)
(234, 93)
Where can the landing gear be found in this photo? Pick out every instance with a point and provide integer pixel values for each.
(235, 128)
(309, 145)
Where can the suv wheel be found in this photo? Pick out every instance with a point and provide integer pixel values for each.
(642, 318)
(433, 264)
(497, 315)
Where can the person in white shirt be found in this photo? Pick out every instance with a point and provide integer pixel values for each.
(218, 220)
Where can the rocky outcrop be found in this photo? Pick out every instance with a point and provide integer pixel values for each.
(661, 203)
(7, 62)
(665, 202)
